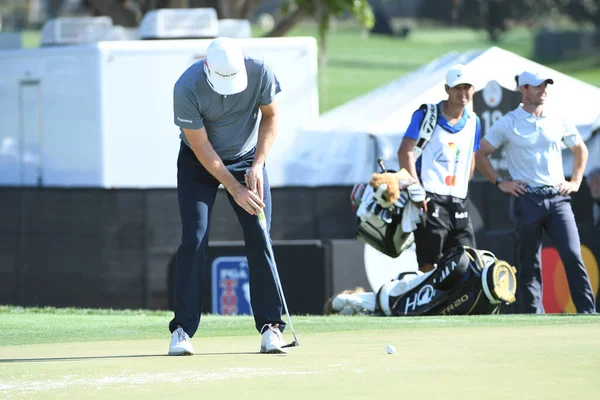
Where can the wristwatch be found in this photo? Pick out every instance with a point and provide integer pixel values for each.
(499, 180)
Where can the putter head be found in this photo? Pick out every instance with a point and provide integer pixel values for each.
(293, 344)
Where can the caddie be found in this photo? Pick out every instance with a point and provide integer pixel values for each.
(438, 149)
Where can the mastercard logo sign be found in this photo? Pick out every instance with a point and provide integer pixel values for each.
(556, 295)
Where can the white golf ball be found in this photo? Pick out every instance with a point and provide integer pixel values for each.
(390, 349)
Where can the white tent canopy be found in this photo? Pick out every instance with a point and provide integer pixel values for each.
(341, 147)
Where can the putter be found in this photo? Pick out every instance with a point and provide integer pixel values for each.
(262, 220)
(263, 224)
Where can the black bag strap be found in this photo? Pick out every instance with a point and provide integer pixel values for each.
(427, 128)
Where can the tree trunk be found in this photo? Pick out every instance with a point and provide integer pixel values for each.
(323, 17)
(286, 24)
(248, 9)
(54, 7)
(179, 4)
(323, 54)
(148, 5)
(117, 11)
(239, 9)
(236, 9)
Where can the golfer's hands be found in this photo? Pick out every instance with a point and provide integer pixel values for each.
(247, 199)
(516, 188)
(254, 180)
(567, 187)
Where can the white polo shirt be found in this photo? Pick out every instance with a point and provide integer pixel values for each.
(532, 145)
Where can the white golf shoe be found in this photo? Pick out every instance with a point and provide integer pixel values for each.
(271, 340)
(180, 344)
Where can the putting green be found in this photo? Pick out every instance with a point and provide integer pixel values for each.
(514, 361)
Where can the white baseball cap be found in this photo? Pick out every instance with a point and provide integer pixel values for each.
(457, 75)
(225, 67)
(534, 78)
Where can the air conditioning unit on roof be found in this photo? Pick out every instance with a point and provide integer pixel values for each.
(185, 23)
(74, 30)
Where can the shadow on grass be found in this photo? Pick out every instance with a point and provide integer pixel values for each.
(52, 359)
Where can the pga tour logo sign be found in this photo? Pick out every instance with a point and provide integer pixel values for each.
(230, 286)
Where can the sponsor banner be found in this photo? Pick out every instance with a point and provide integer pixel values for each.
(556, 296)
(416, 301)
(230, 286)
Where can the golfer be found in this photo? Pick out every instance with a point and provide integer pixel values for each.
(225, 106)
(531, 138)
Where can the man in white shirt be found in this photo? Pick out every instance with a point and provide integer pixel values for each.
(531, 139)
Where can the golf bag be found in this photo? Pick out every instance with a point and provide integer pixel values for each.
(378, 226)
(388, 227)
(381, 225)
(465, 281)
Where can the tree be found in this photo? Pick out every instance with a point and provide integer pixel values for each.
(54, 7)
(122, 12)
(295, 11)
(235, 9)
(492, 14)
(584, 11)
(129, 12)
(322, 11)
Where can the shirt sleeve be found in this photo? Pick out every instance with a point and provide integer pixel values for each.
(412, 132)
(496, 136)
(269, 86)
(477, 134)
(186, 109)
(571, 136)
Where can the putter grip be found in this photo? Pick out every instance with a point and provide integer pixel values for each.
(262, 220)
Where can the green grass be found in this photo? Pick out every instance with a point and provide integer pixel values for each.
(65, 325)
(68, 353)
(30, 39)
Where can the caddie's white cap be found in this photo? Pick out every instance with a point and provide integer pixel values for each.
(457, 75)
(534, 78)
(226, 69)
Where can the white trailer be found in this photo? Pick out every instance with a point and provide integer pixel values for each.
(101, 114)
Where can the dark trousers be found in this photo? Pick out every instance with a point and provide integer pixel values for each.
(448, 224)
(534, 215)
(197, 190)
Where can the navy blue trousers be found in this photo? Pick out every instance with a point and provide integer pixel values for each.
(534, 216)
(197, 190)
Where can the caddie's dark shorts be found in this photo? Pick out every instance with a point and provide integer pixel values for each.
(448, 224)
